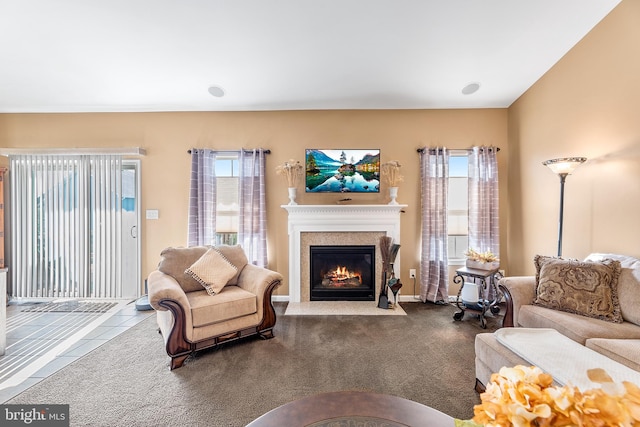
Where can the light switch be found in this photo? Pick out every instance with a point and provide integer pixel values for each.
(153, 214)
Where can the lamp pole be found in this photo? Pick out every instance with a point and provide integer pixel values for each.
(563, 167)
(563, 177)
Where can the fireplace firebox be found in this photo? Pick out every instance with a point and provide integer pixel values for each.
(342, 273)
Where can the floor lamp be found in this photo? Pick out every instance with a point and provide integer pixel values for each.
(563, 167)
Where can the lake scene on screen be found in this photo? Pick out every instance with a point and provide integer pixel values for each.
(342, 171)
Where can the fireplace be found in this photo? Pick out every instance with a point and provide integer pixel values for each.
(342, 272)
(335, 225)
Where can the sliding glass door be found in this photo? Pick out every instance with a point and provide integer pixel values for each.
(74, 219)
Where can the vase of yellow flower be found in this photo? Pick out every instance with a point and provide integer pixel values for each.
(291, 170)
(390, 174)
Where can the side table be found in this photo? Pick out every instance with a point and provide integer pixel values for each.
(488, 296)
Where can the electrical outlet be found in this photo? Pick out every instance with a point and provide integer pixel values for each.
(412, 273)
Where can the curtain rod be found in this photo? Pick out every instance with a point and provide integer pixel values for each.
(133, 151)
(421, 150)
(264, 151)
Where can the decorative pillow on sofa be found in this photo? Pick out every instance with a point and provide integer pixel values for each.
(586, 288)
(213, 271)
(236, 256)
(628, 284)
(174, 262)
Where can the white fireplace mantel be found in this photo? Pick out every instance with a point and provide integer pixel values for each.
(335, 219)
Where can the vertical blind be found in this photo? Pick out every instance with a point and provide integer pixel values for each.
(66, 225)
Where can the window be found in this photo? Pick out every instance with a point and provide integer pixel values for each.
(458, 209)
(227, 205)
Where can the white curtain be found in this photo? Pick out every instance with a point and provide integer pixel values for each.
(252, 222)
(434, 178)
(66, 225)
(202, 198)
(484, 227)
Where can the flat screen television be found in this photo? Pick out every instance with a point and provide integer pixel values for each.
(342, 171)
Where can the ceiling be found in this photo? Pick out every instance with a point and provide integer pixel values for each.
(163, 55)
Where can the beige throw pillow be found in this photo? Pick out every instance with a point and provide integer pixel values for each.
(213, 271)
(581, 287)
(236, 256)
(628, 284)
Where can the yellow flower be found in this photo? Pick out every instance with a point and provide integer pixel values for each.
(525, 396)
(487, 256)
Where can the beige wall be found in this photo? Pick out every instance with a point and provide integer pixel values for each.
(588, 105)
(168, 136)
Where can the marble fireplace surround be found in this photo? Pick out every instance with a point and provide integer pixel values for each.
(336, 225)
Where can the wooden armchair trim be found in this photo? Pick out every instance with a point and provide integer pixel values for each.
(265, 328)
(507, 321)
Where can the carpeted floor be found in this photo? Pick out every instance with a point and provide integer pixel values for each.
(424, 356)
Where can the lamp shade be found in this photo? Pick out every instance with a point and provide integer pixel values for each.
(565, 165)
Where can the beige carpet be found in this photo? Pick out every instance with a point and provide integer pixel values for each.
(346, 308)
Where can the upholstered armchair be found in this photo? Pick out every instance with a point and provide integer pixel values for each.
(205, 295)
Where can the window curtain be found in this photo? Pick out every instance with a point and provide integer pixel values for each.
(202, 198)
(66, 225)
(252, 222)
(434, 176)
(484, 228)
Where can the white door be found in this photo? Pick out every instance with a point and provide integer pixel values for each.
(130, 229)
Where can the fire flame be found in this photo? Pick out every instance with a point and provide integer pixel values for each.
(342, 273)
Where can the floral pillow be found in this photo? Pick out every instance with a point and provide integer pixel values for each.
(213, 271)
(582, 287)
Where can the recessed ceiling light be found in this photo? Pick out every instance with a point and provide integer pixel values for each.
(470, 88)
(216, 91)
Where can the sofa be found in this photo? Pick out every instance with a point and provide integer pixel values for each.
(594, 302)
(205, 295)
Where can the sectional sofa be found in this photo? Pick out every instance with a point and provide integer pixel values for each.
(595, 302)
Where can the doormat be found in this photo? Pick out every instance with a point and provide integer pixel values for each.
(72, 306)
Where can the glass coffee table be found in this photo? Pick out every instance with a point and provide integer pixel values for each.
(353, 408)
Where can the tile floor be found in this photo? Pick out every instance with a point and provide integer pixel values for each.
(40, 343)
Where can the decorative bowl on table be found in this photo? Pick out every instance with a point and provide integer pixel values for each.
(483, 265)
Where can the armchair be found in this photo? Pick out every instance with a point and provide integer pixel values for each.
(204, 296)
